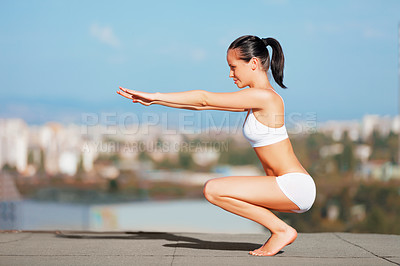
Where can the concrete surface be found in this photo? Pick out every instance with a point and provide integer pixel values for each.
(157, 248)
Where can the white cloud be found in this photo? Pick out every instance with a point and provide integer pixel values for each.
(104, 35)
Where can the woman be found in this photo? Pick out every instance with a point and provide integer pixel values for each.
(287, 186)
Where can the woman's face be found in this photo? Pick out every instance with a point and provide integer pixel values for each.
(240, 71)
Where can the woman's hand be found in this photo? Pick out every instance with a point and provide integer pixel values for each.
(144, 98)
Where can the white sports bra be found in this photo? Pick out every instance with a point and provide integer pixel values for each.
(259, 134)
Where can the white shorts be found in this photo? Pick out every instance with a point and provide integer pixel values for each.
(299, 188)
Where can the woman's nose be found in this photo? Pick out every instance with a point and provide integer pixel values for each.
(231, 74)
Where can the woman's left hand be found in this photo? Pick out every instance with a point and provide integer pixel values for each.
(144, 98)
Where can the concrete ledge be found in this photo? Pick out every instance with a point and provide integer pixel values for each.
(159, 248)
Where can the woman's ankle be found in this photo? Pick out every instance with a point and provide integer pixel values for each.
(281, 229)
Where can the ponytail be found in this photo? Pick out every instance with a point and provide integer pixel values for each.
(277, 61)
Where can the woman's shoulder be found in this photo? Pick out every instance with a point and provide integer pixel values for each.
(268, 94)
(274, 102)
(273, 97)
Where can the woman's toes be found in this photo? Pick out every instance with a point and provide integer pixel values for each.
(255, 253)
(261, 253)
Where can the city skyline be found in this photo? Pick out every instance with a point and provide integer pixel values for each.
(60, 60)
(65, 147)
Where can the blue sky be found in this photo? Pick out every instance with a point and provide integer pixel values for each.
(59, 59)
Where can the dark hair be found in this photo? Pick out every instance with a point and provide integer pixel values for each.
(252, 46)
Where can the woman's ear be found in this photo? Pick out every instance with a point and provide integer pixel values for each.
(254, 63)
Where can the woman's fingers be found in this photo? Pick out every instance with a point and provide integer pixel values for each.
(133, 98)
(126, 95)
(137, 94)
(127, 91)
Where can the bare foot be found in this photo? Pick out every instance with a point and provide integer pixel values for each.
(276, 242)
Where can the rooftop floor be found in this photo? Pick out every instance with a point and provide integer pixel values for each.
(157, 248)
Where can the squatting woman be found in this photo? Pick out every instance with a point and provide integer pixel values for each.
(286, 187)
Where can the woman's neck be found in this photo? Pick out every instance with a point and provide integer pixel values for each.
(261, 81)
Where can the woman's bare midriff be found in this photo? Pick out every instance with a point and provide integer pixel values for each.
(279, 158)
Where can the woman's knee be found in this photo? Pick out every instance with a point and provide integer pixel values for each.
(210, 190)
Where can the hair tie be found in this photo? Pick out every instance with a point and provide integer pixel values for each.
(265, 41)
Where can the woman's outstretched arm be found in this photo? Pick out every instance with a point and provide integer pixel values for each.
(147, 102)
(243, 99)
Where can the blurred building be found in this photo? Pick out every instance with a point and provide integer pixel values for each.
(336, 129)
(361, 129)
(383, 125)
(61, 146)
(14, 135)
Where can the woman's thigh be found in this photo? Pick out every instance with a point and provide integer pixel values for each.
(258, 190)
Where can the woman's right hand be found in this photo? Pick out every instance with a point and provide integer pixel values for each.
(136, 96)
